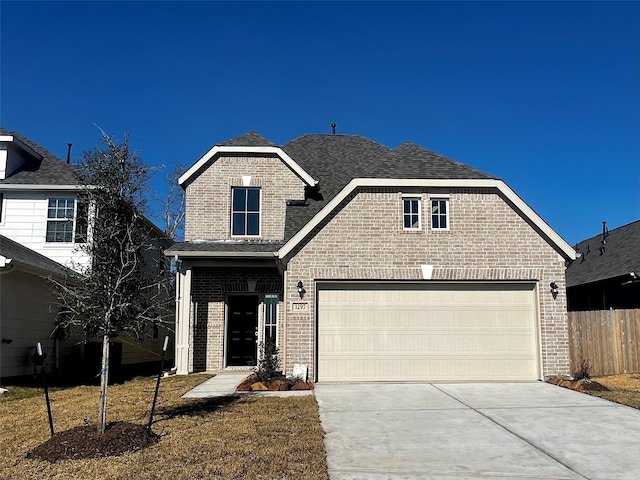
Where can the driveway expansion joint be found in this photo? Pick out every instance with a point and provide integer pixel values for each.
(540, 449)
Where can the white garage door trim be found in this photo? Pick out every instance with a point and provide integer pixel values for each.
(429, 341)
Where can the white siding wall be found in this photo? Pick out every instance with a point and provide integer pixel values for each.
(24, 220)
(27, 316)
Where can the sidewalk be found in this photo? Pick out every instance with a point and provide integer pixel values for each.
(224, 385)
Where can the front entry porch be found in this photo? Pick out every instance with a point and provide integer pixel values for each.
(224, 313)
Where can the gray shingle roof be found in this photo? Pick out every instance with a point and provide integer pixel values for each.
(226, 246)
(335, 160)
(22, 255)
(413, 161)
(251, 139)
(51, 170)
(621, 256)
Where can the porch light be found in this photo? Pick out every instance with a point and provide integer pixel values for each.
(301, 290)
(554, 289)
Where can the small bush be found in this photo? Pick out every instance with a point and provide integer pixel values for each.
(583, 372)
(268, 363)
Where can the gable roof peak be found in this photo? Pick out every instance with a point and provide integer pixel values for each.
(250, 139)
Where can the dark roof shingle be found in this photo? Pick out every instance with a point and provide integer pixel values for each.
(20, 254)
(621, 256)
(48, 171)
(251, 139)
(413, 161)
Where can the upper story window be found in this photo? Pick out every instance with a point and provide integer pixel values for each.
(411, 213)
(439, 214)
(245, 211)
(62, 220)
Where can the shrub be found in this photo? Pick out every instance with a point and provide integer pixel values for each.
(268, 363)
(583, 372)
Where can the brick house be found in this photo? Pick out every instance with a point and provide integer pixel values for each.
(365, 263)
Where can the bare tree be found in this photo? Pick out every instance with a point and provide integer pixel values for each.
(122, 289)
(174, 207)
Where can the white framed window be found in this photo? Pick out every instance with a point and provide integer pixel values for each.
(411, 213)
(67, 220)
(271, 319)
(245, 211)
(439, 214)
(60, 215)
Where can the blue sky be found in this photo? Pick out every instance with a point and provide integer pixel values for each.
(544, 95)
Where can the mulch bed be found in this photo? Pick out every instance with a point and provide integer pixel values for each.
(279, 383)
(86, 442)
(578, 385)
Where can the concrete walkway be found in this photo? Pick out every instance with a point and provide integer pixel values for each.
(476, 431)
(224, 385)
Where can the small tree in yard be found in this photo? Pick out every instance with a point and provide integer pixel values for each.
(121, 290)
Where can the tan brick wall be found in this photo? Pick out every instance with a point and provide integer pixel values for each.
(208, 197)
(487, 240)
(209, 290)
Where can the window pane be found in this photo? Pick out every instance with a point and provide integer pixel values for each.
(434, 221)
(238, 224)
(416, 221)
(407, 221)
(407, 206)
(443, 207)
(239, 199)
(443, 222)
(253, 224)
(253, 200)
(59, 231)
(270, 318)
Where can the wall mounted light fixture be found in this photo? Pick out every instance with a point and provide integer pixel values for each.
(554, 289)
(301, 290)
(7, 340)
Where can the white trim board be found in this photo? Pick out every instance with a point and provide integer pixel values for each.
(221, 149)
(525, 210)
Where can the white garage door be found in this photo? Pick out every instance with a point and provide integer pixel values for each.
(427, 332)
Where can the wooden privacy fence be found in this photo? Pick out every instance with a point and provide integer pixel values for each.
(607, 339)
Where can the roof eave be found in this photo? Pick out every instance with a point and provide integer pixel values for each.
(19, 143)
(213, 254)
(552, 237)
(221, 149)
(32, 186)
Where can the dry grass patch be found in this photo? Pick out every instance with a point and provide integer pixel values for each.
(248, 437)
(623, 388)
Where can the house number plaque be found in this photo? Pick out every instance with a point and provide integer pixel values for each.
(300, 307)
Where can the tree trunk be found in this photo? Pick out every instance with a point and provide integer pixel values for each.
(104, 380)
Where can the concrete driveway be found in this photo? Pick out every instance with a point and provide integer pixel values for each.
(470, 431)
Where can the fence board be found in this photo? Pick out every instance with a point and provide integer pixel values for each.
(607, 339)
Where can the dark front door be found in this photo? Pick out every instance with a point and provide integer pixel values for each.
(242, 330)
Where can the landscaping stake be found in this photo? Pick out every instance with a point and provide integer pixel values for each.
(155, 396)
(44, 384)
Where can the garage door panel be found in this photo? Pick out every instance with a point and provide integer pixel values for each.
(435, 332)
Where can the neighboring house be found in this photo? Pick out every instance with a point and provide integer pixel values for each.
(28, 308)
(607, 273)
(365, 263)
(39, 205)
(41, 210)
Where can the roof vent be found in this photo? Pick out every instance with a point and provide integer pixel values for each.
(603, 242)
(333, 129)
